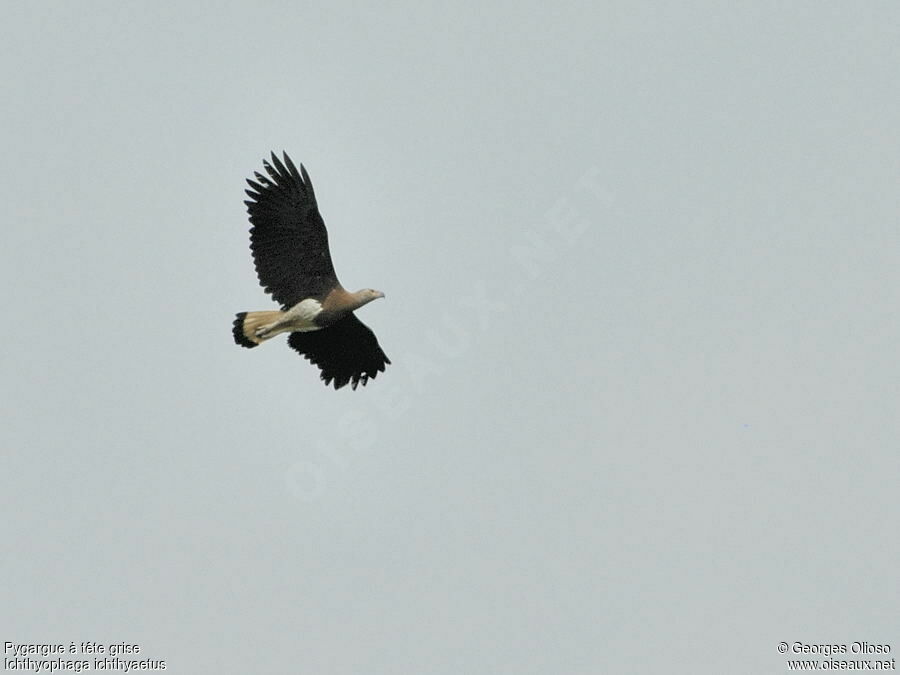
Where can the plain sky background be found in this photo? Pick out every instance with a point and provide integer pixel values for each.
(641, 267)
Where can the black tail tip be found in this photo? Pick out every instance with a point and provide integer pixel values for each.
(238, 332)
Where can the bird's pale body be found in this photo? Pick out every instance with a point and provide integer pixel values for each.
(302, 316)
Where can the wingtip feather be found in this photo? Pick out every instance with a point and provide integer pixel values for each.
(292, 168)
(278, 165)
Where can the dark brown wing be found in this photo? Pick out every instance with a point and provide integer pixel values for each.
(288, 237)
(346, 351)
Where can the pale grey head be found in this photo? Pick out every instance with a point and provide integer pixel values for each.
(367, 295)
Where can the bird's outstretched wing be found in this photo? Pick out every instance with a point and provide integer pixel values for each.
(288, 237)
(346, 351)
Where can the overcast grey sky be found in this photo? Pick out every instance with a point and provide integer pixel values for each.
(641, 267)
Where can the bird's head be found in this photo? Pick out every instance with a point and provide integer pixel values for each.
(367, 295)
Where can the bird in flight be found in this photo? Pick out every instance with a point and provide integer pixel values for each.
(290, 251)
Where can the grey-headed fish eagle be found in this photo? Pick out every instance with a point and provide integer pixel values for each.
(290, 250)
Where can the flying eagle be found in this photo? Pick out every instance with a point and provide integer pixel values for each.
(290, 250)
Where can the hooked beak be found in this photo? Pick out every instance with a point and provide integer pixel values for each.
(379, 294)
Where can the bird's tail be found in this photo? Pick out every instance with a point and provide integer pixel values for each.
(247, 324)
